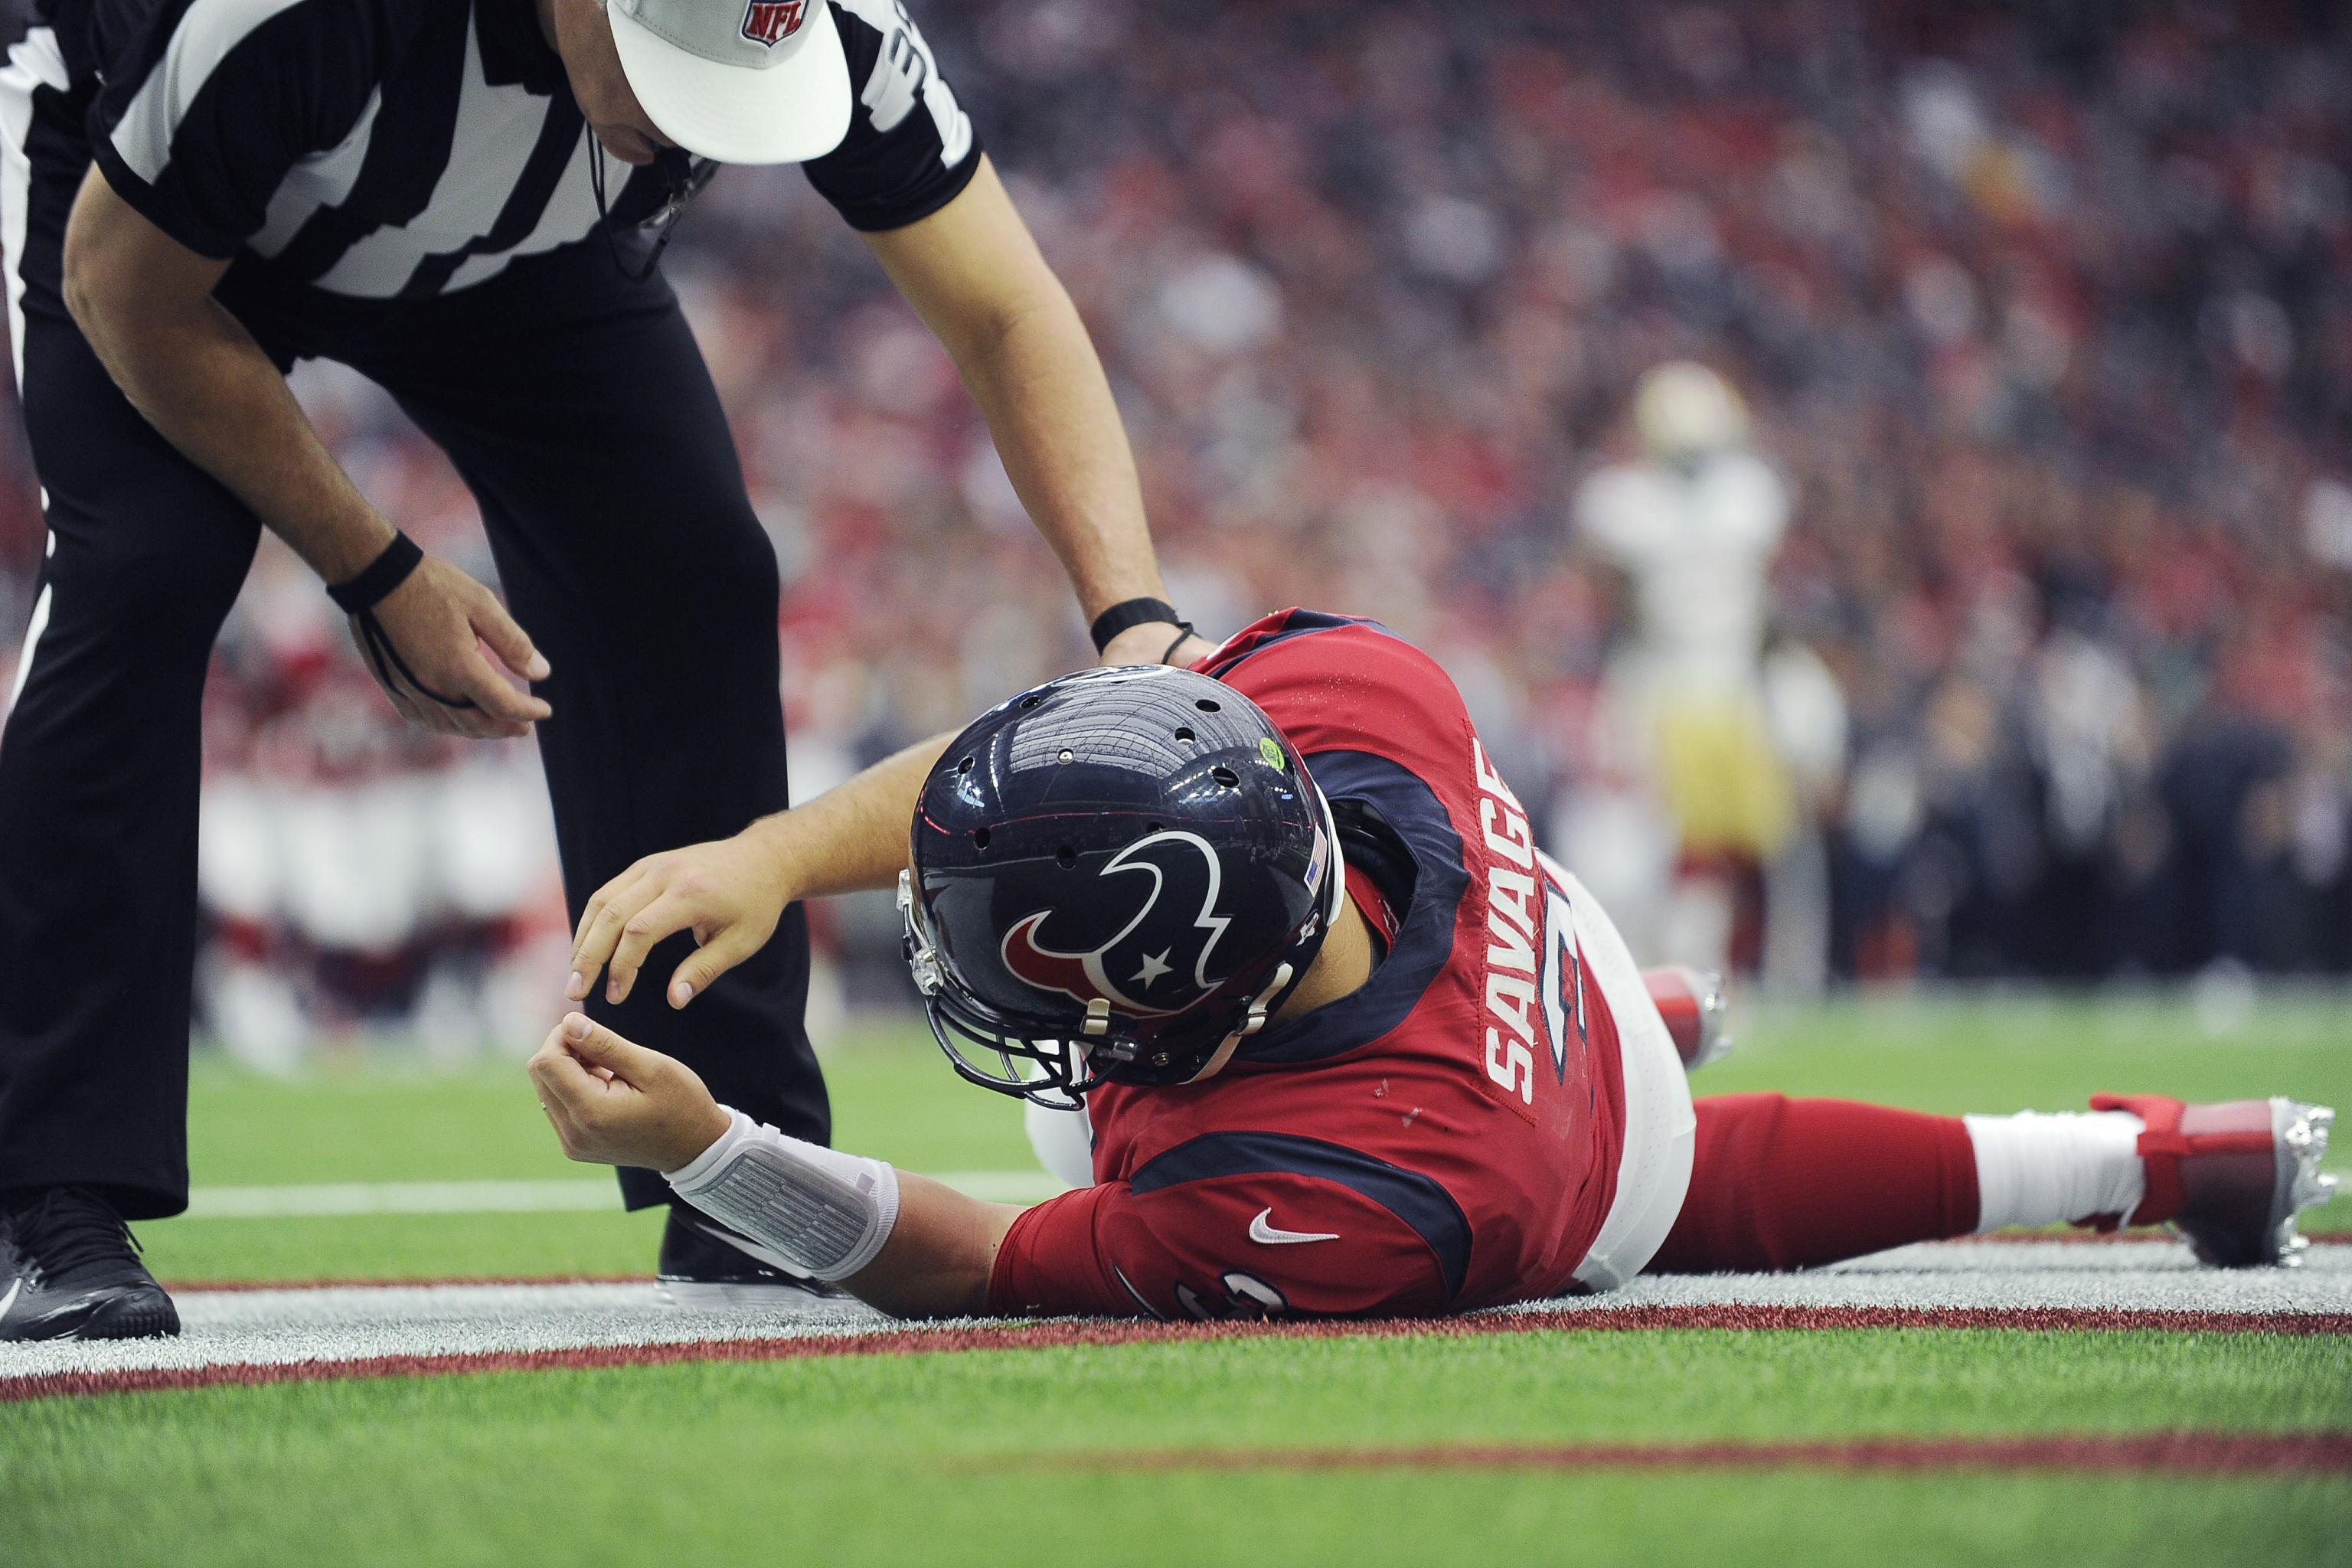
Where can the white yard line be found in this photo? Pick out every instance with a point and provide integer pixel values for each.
(568, 1194)
(400, 1197)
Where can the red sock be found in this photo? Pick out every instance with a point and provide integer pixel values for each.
(1783, 1184)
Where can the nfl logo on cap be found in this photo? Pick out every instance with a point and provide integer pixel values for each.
(738, 81)
(771, 22)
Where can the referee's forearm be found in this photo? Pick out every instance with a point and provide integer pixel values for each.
(1049, 405)
(205, 386)
(973, 272)
(144, 301)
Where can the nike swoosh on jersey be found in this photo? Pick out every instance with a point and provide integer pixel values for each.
(1273, 1235)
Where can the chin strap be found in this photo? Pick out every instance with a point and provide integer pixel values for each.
(1252, 1020)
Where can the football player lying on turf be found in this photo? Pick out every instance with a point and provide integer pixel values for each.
(1346, 1042)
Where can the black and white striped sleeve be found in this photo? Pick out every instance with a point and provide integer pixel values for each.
(910, 148)
(198, 126)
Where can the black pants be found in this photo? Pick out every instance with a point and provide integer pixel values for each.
(578, 411)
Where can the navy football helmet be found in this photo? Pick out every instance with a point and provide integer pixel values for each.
(1116, 877)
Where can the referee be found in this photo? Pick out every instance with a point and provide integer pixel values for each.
(462, 200)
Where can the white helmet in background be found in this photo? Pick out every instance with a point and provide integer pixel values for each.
(1684, 409)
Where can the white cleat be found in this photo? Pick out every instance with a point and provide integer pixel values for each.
(1692, 1003)
(2303, 1141)
(2231, 1178)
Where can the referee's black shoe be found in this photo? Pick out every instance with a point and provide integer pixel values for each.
(705, 1264)
(70, 1271)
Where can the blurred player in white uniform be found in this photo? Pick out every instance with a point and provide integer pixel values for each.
(1693, 526)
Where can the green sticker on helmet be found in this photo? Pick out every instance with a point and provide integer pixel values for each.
(1271, 750)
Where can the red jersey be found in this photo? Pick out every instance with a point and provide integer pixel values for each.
(1444, 1138)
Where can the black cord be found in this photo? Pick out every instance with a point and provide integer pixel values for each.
(388, 662)
(681, 173)
(1184, 630)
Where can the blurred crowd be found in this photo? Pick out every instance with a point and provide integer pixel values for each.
(2041, 318)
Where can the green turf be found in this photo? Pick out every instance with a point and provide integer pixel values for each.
(2012, 1052)
(881, 1459)
(404, 1247)
(749, 1505)
(362, 1121)
(975, 1459)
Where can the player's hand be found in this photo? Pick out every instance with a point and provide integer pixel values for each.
(438, 622)
(1145, 643)
(615, 1103)
(728, 893)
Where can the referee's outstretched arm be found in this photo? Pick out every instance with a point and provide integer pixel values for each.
(144, 302)
(975, 275)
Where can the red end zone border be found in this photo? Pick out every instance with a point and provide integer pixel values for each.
(1061, 1332)
(2139, 1453)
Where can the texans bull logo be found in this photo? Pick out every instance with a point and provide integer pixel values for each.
(771, 22)
(1178, 909)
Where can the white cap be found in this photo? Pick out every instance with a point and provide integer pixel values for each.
(742, 81)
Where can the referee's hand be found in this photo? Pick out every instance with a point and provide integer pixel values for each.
(438, 622)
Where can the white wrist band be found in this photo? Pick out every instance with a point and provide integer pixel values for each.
(826, 1211)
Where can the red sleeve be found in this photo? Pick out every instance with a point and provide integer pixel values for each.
(1270, 1242)
(1332, 684)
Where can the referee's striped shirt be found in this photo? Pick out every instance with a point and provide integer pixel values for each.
(387, 148)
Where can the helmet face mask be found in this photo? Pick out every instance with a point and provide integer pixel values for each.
(1115, 877)
(1058, 1073)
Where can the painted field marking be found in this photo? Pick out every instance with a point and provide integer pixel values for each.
(563, 1194)
(400, 1197)
(2176, 1452)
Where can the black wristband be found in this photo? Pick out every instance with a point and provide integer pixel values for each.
(379, 577)
(1130, 613)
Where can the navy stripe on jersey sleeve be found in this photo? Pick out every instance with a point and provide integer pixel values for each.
(1409, 810)
(910, 149)
(1419, 1201)
(1293, 624)
(205, 113)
